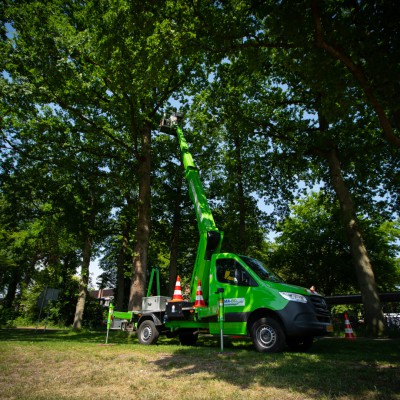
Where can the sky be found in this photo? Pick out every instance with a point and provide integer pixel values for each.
(95, 271)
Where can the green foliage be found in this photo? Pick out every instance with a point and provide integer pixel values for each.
(313, 250)
(81, 81)
(7, 316)
(94, 314)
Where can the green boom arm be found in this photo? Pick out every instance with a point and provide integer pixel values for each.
(210, 237)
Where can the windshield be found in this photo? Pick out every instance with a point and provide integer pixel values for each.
(259, 268)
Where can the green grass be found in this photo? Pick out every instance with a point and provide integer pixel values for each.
(66, 365)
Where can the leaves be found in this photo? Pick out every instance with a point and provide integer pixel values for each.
(268, 92)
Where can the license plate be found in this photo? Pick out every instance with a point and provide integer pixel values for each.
(329, 328)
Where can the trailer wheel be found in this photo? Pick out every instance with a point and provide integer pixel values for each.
(188, 337)
(147, 332)
(300, 344)
(268, 335)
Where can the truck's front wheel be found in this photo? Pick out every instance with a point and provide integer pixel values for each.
(268, 335)
(147, 332)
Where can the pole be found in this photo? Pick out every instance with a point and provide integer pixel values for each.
(45, 321)
(109, 319)
(41, 309)
(221, 316)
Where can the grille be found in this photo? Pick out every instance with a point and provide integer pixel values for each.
(320, 307)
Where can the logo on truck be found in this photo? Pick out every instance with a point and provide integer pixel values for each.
(234, 302)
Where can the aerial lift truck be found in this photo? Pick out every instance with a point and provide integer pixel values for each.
(256, 303)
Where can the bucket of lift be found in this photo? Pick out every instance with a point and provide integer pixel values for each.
(167, 124)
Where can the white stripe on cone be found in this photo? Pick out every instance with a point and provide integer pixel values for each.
(348, 331)
(178, 291)
(199, 296)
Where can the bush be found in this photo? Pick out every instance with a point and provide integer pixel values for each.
(7, 316)
(93, 316)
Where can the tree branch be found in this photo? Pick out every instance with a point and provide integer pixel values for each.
(338, 54)
(91, 123)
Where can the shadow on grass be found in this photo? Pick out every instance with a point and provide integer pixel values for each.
(336, 367)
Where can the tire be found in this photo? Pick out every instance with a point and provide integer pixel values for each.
(188, 337)
(268, 335)
(147, 332)
(123, 327)
(301, 344)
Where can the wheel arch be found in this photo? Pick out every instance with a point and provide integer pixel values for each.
(263, 313)
(151, 317)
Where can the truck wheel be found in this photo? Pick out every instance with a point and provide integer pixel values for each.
(188, 337)
(300, 344)
(268, 335)
(147, 332)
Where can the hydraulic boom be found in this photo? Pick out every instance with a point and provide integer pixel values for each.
(210, 237)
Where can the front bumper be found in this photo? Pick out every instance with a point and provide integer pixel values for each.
(305, 319)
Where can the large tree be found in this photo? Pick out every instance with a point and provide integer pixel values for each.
(308, 112)
(313, 248)
(364, 38)
(84, 82)
(110, 69)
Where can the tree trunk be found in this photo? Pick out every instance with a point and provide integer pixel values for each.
(120, 289)
(372, 308)
(12, 287)
(175, 237)
(83, 285)
(140, 255)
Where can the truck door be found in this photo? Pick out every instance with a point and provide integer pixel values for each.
(238, 286)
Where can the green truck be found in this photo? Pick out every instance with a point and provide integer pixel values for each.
(241, 296)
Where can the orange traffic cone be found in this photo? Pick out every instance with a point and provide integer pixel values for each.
(348, 331)
(199, 296)
(178, 291)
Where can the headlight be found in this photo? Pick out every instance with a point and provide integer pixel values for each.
(293, 297)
